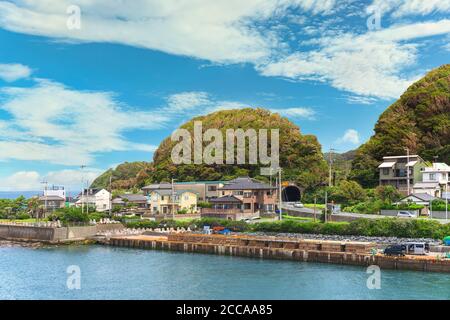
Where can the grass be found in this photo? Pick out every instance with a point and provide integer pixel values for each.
(288, 217)
(311, 205)
(18, 221)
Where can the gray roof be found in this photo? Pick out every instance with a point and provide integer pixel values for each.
(422, 196)
(158, 186)
(134, 197)
(226, 199)
(51, 198)
(168, 192)
(246, 183)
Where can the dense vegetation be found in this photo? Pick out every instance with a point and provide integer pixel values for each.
(387, 227)
(19, 208)
(419, 120)
(300, 155)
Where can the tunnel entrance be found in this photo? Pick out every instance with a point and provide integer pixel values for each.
(291, 194)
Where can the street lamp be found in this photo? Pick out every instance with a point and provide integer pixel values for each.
(173, 199)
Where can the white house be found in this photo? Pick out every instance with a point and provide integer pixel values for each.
(435, 180)
(99, 198)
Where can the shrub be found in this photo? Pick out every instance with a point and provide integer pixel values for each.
(23, 216)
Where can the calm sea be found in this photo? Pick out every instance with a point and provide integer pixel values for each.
(119, 273)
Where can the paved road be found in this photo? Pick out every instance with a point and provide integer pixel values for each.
(349, 214)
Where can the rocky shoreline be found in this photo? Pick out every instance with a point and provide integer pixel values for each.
(23, 244)
(378, 240)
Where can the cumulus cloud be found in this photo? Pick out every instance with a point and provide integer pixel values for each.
(14, 71)
(350, 136)
(54, 123)
(368, 64)
(296, 113)
(71, 179)
(219, 30)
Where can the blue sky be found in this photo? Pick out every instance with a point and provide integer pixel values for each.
(112, 89)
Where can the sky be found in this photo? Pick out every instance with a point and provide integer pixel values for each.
(97, 83)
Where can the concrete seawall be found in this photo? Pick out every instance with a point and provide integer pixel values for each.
(51, 234)
(357, 254)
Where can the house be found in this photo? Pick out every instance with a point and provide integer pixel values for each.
(419, 198)
(241, 198)
(164, 201)
(205, 190)
(394, 171)
(137, 200)
(51, 202)
(54, 197)
(435, 180)
(98, 198)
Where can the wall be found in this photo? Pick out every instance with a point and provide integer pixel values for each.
(16, 232)
(439, 214)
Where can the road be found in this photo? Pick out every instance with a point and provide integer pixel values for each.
(348, 214)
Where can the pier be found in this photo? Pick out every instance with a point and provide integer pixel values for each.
(335, 252)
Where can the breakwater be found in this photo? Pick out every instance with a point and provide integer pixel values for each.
(346, 253)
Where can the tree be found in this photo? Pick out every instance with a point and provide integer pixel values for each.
(348, 192)
(387, 193)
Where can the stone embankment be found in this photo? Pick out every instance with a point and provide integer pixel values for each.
(304, 250)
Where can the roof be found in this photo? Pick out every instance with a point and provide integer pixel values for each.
(245, 183)
(401, 157)
(200, 182)
(387, 164)
(421, 196)
(158, 186)
(168, 192)
(134, 197)
(118, 201)
(51, 198)
(226, 199)
(437, 167)
(426, 185)
(411, 163)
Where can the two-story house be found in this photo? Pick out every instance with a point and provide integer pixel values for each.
(241, 198)
(164, 201)
(394, 171)
(205, 190)
(435, 180)
(98, 198)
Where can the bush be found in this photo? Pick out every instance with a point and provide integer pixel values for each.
(23, 216)
(97, 216)
(69, 215)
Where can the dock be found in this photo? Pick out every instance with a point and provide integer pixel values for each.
(303, 250)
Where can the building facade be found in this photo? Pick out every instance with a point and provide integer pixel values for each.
(98, 198)
(241, 198)
(394, 172)
(205, 190)
(435, 180)
(165, 201)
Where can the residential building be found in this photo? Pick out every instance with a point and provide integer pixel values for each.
(205, 190)
(54, 197)
(241, 198)
(394, 171)
(164, 201)
(137, 200)
(435, 180)
(98, 198)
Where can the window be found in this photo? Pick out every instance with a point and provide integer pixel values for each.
(247, 194)
(385, 171)
(247, 206)
(432, 176)
(212, 188)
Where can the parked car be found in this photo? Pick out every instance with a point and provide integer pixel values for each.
(405, 214)
(298, 205)
(395, 250)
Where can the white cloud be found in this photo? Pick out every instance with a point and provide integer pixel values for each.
(14, 71)
(50, 122)
(367, 64)
(296, 113)
(350, 136)
(218, 31)
(401, 8)
(190, 104)
(72, 180)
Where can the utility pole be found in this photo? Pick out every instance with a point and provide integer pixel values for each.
(45, 183)
(110, 195)
(446, 202)
(315, 202)
(173, 199)
(82, 187)
(330, 157)
(87, 196)
(326, 205)
(279, 191)
(407, 170)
